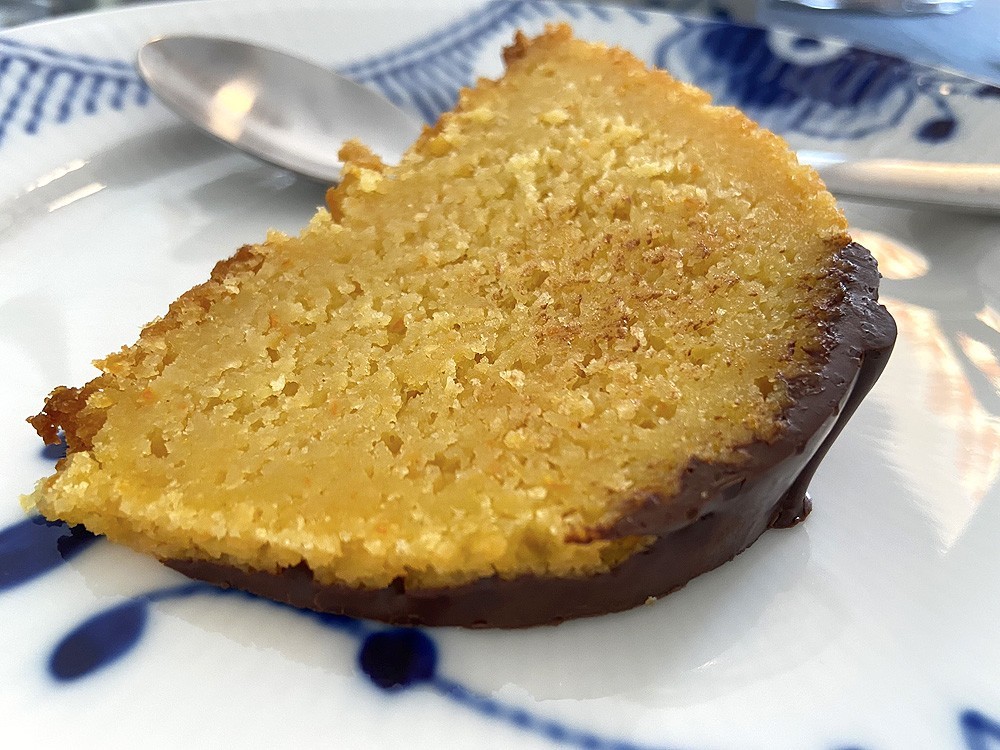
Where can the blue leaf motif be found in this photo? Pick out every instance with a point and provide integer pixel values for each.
(398, 658)
(980, 731)
(99, 641)
(937, 130)
(35, 546)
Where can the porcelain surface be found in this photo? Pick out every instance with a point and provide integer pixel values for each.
(872, 625)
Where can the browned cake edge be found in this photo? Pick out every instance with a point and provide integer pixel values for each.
(725, 508)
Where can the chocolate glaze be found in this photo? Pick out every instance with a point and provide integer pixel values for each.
(719, 511)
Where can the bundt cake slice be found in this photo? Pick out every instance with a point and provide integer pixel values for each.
(585, 342)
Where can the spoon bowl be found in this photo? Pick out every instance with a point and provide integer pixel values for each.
(285, 110)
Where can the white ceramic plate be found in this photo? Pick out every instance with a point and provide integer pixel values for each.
(873, 625)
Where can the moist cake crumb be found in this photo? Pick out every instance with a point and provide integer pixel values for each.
(505, 359)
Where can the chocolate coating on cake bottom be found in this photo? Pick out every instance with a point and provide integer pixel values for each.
(719, 512)
(668, 564)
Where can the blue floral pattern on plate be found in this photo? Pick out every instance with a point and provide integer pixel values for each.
(817, 88)
(393, 659)
(41, 86)
(791, 84)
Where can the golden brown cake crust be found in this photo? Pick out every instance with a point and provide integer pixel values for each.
(60, 419)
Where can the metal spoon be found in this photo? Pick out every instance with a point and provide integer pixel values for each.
(296, 114)
(285, 110)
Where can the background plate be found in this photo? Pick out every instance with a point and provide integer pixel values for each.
(872, 625)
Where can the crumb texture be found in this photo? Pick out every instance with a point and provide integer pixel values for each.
(573, 284)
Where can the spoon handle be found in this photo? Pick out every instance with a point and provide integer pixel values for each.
(966, 186)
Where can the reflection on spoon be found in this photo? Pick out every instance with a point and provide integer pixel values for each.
(282, 109)
(296, 114)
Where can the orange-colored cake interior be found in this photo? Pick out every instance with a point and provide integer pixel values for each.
(582, 277)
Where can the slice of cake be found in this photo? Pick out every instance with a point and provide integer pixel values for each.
(587, 341)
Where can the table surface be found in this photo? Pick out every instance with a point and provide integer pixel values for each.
(967, 42)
